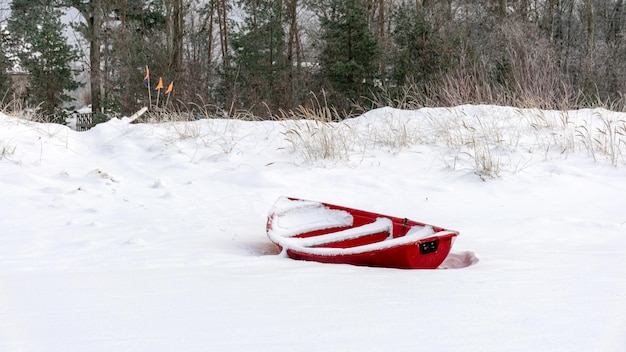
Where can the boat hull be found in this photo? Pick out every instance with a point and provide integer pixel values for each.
(328, 233)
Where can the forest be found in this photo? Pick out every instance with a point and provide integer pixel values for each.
(284, 58)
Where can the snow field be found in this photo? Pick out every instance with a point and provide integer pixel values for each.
(152, 237)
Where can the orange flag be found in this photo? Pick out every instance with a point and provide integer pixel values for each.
(160, 85)
(146, 80)
(169, 88)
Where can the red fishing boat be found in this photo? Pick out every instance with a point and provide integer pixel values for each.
(327, 233)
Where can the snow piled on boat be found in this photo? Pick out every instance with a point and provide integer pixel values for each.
(294, 217)
(378, 226)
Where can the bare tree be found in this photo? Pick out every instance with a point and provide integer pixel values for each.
(293, 44)
(590, 34)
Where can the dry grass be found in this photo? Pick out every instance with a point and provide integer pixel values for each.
(314, 134)
(486, 145)
(477, 143)
(604, 135)
(482, 144)
(315, 140)
(317, 110)
(320, 133)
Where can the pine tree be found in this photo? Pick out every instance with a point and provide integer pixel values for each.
(349, 59)
(260, 69)
(37, 40)
(5, 83)
(415, 56)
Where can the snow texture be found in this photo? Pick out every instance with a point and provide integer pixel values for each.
(142, 237)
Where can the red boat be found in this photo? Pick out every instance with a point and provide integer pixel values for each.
(327, 233)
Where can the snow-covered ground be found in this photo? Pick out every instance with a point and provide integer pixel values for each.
(141, 237)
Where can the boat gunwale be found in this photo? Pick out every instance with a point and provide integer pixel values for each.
(293, 243)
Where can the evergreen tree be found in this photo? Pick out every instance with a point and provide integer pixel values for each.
(260, 66)
(38, 42)
(415, 57)
(5, 82)
(349, 58)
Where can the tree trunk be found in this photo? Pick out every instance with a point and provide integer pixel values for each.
(95, 27)
(523, 10)
(293, 52)
(551, 19)
(616, 21)
(501, 8)
(381, 20)
(223, 30)
(210, 41)
(175, 33)
(590, 32)
(93, 15)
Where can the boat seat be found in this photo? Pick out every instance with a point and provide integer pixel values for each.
(378, 226)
